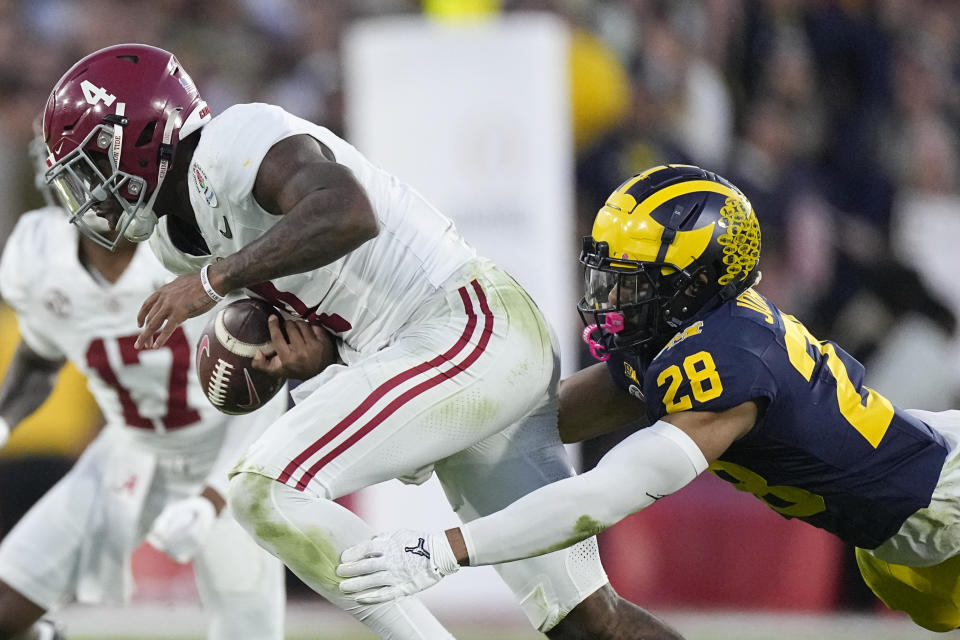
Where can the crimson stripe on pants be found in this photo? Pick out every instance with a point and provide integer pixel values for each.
(411, 393)
(387, 386)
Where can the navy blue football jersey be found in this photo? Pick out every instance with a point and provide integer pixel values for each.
(825, 449)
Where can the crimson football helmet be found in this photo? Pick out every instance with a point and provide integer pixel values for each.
(38, 157)
(669, 245)
(111, 127)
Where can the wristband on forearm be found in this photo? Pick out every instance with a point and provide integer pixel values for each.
(205, 281)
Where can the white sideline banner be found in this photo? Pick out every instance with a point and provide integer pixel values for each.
(475, 116)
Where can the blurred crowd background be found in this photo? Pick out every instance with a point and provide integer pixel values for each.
(838, 119)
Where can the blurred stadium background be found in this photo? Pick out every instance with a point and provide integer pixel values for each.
(838, 118)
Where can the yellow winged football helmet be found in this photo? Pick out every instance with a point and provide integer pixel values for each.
(669, 245)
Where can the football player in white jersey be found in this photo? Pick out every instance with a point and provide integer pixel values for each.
(447, 364)
(157, 470)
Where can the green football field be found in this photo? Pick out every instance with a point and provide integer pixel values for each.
(306, 621)
(694, 626)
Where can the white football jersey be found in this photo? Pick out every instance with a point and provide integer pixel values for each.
(365, 296)
(64, 311)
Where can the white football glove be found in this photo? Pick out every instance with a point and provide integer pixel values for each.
(182, 528)
(393, 565)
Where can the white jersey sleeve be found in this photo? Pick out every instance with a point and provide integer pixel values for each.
(24, 257)
(172, 259)
(368, 294)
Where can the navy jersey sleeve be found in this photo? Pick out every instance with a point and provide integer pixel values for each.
(626, 371)
(713, 365)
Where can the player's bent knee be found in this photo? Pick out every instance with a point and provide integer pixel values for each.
(247, 494)
(288, 525)
(251, 502)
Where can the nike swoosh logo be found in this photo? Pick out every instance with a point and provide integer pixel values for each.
(252, 390)
(655, 497)
(225, 232)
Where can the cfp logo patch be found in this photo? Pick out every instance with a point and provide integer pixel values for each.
(631, 374)
(419, 549)
(202, 184)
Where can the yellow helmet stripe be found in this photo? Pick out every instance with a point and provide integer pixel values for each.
(652, 170)
(636, 235)
(661, 167)
(688, 245)
(681, 189)
(625, 187)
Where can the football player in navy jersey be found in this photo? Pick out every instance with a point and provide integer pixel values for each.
(729, 383)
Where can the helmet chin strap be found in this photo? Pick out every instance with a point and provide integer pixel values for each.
(143, 223)
(144, 219)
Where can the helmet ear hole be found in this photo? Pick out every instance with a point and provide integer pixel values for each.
(146, 135)
(697, 284)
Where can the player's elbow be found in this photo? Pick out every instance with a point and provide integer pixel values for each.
(368, 227)
(361, 223)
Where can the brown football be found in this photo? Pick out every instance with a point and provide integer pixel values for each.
(225, 355)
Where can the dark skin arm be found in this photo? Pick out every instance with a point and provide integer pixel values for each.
(591, 404)
(27, 384)
(326, 215)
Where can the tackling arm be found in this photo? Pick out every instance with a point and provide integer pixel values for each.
(591, 404)
(27, 384)
(645, 467)
(650, 464)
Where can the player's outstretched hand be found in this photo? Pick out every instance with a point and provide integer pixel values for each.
(168, 307)
(183, 527)
(393, 565)
(302, 353)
